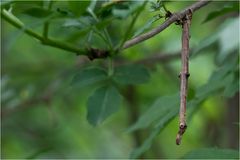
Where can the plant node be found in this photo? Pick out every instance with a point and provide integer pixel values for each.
(94, 53)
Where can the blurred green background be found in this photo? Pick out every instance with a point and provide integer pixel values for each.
(43, 116)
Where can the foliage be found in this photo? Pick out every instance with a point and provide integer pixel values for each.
(227, 8)
(212, 153)
(41, 84)
(102, 103)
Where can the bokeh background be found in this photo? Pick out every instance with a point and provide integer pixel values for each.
(43, 116)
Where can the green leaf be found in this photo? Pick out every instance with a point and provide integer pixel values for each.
(89, 76)
(120, 13)
(37, 12)
(227, 8)
(124, 10)
(78, 7)
(82, 22)
(232, 86)
(161, 122)
(146, 26)
(218, 80)
(205, 43)
(131, 74)
(87, 22)
(164, 120)
(158, 110)
(166, 108)
(229, 40)
(191, 94)
(104, 102)
(19, 7)
(212, 153)
(40, 151)
(5, 4)
(226, 36)
(156, 6)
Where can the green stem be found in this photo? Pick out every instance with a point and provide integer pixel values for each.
(164, 7)
(54, 43)
(46, 24)
(89, 37)
(64, 46)
(110, 66)
(105, 32)
(45, 30)
(128, 32)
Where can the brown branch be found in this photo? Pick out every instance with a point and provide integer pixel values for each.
(175, 17)
(102, 53)
(184, 76)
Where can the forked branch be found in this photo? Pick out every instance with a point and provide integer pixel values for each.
(184, 76)
(83, 51)
(175, 17)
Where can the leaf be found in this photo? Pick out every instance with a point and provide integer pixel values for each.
(37, 12)
(232, 86)
(87, 23)
(104, 102)
(227, 8)
(82, 22)
(124, 10)
(212, 87)
(158, 110)
(205, 43)
(217, 81)
(5, 4)
(212, 153)
(161, 123)
(164, 120)
(120, 13)
(19, 7)
(226, 36)
(229, 40)
(191, 94)
(89, 76)
(131, 74)
(146, 26)
(156, 6)
(78, 7)
(40, 152)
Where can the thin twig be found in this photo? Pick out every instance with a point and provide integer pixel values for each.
(167, 23)
(80, 51)
(184, 76)
(46, 24)
(129, 30)
(105, 35)
(54, 43)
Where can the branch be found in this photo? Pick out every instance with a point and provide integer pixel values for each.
(46, 24)
(128, 32)
(49, 42)
(83, 51)
(167, 23)
(184, 76)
